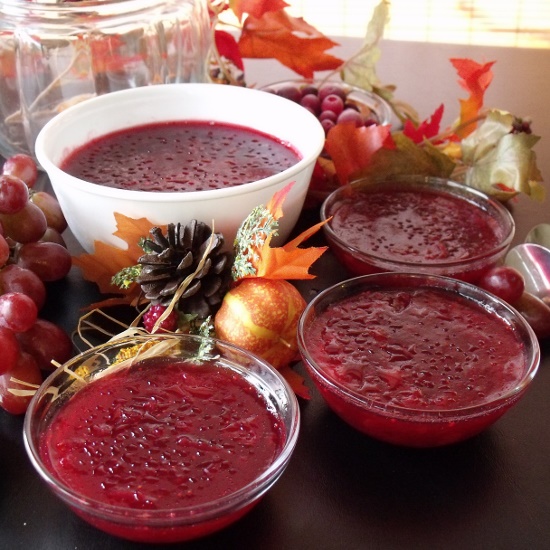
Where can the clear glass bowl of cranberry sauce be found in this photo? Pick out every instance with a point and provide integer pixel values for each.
(415, 223)
(162, 438)
(417, 360)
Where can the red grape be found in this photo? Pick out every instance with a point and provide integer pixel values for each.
(51, 209)
(311, 102)
(349, 115)
(10, 350)
(505, 282)
(14, 278)
(26, 369)
(536, 312)
(4, 251)
(22, 166)
(333, 103)
(50, 261)
(26, 226)
(46, 341)
(51, 235)
(331, 88)
(14, 194)
(18, 312)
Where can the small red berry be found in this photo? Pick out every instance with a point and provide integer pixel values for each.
(150, 317)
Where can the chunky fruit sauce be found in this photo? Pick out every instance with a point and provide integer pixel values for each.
(180, 156)
(163, 436)
(421, 348)
(424, 227)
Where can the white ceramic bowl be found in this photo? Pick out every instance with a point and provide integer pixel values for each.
(89, 208)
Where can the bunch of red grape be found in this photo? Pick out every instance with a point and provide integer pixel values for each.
(332, 103)
(32, 254)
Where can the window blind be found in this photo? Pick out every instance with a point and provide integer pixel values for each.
(521, 23)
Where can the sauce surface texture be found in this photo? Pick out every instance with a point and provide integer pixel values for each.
(165, 436)
(419, 348)
(415, 226)
(180, 156)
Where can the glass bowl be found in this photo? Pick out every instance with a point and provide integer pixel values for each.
(372, 107)
(53, 55)
(416, 360)
(171, 444)
(416, 223)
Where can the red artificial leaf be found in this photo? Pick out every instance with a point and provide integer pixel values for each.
(256, 8)
(352, 148)
(474, 78)
(227, 47)
(429, 128)
(290, 40)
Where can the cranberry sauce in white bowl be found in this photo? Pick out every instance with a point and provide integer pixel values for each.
(90, 207)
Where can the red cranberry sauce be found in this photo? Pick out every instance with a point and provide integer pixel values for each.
(180, 156)
(419, 348)
(419, 226)
(163, 435)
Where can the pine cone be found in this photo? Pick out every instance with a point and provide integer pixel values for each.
(173, 257)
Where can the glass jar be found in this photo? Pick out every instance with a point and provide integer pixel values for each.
(55, 54)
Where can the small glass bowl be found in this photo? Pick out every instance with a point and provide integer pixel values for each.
(55, 54)
(405, 245)
(371, 106)
(189, 521)
(369, 386)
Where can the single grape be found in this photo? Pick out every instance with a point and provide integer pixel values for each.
(14, 278)
(10, 350)
(50, 261)
(51, 235)
(14, 194)
(290, 92)
(25, 370)
(26, 226)
(505, 282)
(350, 116)
(331, 88)
(327, 125)
(328, 115)
(18, 312)
(46, 341)
(309, 89)
(311, 102)
(333, 103)
(50, 206)
(4, 251)
(536, 312)
(22, 166)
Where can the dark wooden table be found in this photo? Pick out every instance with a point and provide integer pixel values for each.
(342, 490)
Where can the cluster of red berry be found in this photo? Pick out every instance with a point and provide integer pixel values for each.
(32, 254)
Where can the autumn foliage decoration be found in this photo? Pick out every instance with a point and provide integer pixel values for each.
(267, 31)
(482, 148)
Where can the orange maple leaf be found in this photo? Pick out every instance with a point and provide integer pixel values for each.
(256, 8)
(290, 40)
(474, 78)
(351, 148)
(107, 260)
(284, 262)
